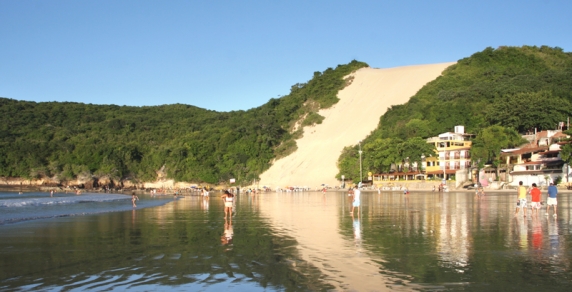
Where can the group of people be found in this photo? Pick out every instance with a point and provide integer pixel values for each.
(535, 196)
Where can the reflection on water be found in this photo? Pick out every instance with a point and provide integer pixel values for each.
(296, 241)
(228, 233)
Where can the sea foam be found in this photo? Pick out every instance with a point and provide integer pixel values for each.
(87, 198)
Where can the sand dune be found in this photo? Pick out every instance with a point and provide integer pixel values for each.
(357, 113)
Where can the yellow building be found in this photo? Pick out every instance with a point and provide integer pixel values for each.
(453, 154)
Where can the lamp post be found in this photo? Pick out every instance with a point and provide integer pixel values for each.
(360, 167)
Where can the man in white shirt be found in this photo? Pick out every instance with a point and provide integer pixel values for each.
(356, 201)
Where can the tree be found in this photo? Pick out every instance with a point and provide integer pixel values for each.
(417, 128)
(529, 110)
(566, 155)
(414, 148)
(381, 153)
(486, 147)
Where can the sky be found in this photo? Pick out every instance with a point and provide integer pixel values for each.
(236, 55)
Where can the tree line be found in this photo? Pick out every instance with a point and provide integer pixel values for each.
(65, 140)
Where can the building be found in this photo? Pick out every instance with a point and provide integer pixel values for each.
(453, 156)
(538, 161)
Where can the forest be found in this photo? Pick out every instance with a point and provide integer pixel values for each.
(66, 141)
(497, 94)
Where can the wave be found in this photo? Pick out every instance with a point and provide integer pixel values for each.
(86, 198)
(16, 208)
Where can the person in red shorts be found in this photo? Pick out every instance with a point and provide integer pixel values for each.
(535, 194)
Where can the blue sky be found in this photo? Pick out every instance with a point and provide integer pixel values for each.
(236, 55)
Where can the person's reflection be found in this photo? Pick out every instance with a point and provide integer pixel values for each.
(228, 233)
(536, 233)
(133, 214)
(521, 231)
(205, 203)
(357, 229)
(553, 236)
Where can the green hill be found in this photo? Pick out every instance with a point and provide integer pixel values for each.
(515, 87)
(72, 140)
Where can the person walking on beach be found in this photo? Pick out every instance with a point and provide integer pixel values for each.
(521, 199)
(535, 196)
(356, 199)
(228, 199)
(551, 201)
(133, 199)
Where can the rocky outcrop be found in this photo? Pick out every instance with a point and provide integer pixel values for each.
(94, 183)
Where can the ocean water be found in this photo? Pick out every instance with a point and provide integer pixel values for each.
(16, 207)
(309, 241)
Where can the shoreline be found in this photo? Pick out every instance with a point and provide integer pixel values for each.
(29, 188)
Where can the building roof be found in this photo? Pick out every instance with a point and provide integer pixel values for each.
(542, 134)
(550, 152)
(560, 135)
(528, 148)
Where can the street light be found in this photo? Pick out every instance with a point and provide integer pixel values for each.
(360, 168)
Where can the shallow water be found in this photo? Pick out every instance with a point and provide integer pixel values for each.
(294, 242)
(18, 207)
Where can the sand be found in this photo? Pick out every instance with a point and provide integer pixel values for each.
(357, 113)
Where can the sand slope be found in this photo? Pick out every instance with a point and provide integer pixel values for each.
(357, 113)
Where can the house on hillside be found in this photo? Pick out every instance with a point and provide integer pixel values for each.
(453, 155)
(537, 162)
(452, 159)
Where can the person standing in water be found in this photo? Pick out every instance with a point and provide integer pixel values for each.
(551, 201)
(133, 199)
(521, 199)
(228, 199)
(480, 192)
(356, 199)
(535, 202)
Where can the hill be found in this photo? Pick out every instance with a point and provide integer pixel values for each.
(351, 119)
(65, 142)
(519, 88)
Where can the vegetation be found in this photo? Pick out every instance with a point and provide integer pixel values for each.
(74, 140)
(520, 88)
(487, 145)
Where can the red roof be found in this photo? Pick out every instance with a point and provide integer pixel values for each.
(542, 134)
(559, 135)
(528, 148)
